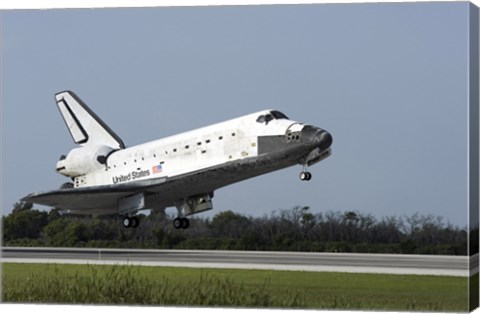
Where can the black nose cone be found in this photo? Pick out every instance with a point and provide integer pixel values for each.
(318, 137)
(325, 140)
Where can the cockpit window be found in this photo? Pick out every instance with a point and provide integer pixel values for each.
(278, 115)
(265, 118)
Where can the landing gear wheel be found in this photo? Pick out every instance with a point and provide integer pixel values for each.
(130, 222)
(305, 176)
(185, 223)
(66, 185)
(177, 223)
(181, 223)
(135, 222)
(127, 222)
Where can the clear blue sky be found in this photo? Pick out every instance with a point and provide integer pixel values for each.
(389, 81)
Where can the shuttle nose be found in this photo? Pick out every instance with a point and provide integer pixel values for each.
(318, 137)
(325, 140)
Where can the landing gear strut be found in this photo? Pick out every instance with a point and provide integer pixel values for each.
(181, 223)
(130, 222)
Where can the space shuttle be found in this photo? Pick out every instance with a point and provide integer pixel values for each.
(181, 171)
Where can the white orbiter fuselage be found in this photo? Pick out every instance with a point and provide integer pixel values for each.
(181, 170)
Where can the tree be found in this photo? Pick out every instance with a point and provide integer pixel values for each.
(229, 224)
(21, 206)
(289, 229)
(24, 223)
(55, 232)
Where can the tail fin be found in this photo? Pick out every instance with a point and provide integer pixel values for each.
(84, 125)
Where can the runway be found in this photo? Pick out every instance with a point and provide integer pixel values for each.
(293, 261)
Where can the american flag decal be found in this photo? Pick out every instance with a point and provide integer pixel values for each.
(157, 168)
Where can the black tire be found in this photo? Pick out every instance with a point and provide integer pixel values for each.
(309, 176)
(177, 223)
(303, 175)
(66, 185)
(185, 223)
(135, 222)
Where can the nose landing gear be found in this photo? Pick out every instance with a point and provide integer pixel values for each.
(305, 176)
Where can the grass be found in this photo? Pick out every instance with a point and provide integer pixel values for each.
(102, 284)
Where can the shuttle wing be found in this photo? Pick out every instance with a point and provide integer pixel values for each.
(75, 199)
(84, 125)
(164, 190)
(96, 197)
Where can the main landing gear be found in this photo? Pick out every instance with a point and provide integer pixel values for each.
(181, 223)
(130, 222)
(189, 206)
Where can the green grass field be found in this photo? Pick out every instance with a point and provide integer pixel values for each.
(89, 284)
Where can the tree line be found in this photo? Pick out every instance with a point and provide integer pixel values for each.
(295, 229)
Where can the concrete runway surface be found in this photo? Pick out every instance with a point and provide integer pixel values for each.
(439, 265)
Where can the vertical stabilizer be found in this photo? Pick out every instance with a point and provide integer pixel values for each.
(83, 124)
